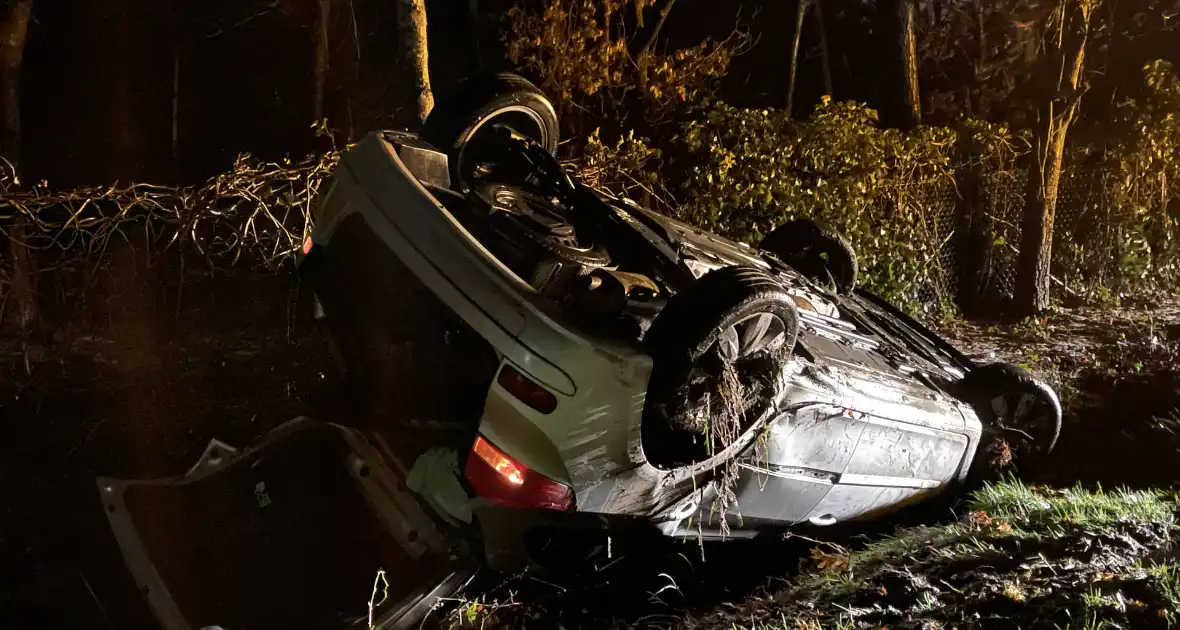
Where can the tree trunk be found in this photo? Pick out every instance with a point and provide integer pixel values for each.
(1057, 114)
(909, 62)
(1040, 211)
(411, 17)
(897, 41)
(321, 59)
(973, 235)
(14, 31)
(800, 15)
(824, 52)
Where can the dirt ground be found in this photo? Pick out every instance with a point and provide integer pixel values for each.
(1117, 371)
(135, 367)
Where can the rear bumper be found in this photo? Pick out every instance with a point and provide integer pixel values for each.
(379, 231)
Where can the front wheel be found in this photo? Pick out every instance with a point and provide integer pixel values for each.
(716, 352)
(1021, 417)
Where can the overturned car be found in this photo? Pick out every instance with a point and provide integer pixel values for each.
(530, 353)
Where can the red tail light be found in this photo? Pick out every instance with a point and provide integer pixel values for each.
(499, 478)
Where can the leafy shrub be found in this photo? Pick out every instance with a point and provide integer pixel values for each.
(622, 167)
(571, 45)
(1142, 176)
(582, 50)
(748, 171)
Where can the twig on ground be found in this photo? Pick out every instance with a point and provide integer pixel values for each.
(373, 603)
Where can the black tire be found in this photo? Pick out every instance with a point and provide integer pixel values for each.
(1021, 415)
(554, 236)
(816, 250)
(700, 329)
(479, 102)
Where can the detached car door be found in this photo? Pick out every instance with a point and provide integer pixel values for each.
(295, 532)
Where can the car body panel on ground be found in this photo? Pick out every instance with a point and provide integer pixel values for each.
(291, 532)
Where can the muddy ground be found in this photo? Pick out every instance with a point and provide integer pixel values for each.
(1117, 370)
(136, 366)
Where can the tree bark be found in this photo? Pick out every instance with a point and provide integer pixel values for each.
(1036, 241)
(909, 62)
(800, 15)
(321, 59)
(824, 52)
(14, 32)
(412, 28)
(897, 41)
(973, 235)
(1057, 114)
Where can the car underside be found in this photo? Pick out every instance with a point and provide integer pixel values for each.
(520, 351)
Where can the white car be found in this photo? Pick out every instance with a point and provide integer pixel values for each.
(529, 354)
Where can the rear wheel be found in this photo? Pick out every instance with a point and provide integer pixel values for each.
(1021, 417)
(468, 114)
(716, 349)
(816, 250)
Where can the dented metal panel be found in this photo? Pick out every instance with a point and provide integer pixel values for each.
(286, 533)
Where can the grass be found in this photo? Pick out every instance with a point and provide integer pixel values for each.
(1092, 622)
(1003, 518)
(1013, 500)
(801, 623)
(1165, 582)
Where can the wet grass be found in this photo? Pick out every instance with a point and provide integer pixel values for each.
(1165, 580)
(1021, 557)
(1016, 501)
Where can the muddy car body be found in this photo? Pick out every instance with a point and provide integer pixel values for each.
(851, 431)
(518, 374)
(867, 413)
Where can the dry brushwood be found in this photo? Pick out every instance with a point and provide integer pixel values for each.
(258, 212)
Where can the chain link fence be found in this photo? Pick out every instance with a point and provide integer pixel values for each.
(977, 228)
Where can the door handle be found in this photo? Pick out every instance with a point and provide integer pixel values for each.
(823, 520)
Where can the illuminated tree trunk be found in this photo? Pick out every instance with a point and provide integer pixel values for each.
(800, 15)
(412, 26)
(1044, 175)
(895, 25)
(12, 47)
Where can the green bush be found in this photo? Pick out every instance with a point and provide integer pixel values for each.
(747, 171)
(897, 196)
(1142, 176)
(1127, 241)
